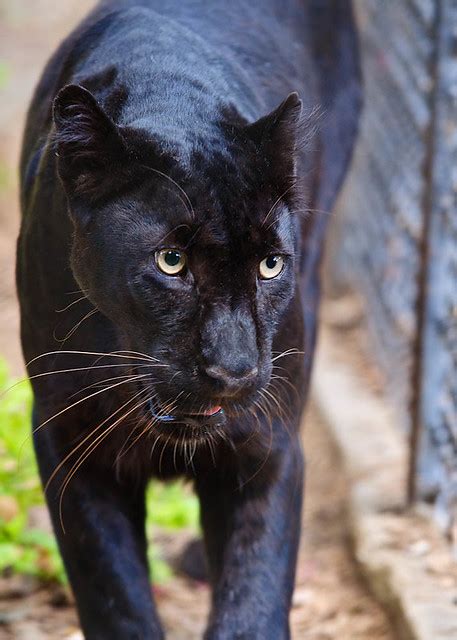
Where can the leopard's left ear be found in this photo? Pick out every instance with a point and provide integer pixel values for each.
(277, 136)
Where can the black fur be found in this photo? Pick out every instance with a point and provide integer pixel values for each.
(177, 125)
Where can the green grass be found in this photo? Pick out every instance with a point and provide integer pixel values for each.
(34, 551)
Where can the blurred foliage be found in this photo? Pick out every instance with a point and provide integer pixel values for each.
(34, 551)
(6, 176)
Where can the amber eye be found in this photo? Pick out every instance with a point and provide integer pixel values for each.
(271, 266)
(171, 261)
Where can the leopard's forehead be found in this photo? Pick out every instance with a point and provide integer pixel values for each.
(235, 226)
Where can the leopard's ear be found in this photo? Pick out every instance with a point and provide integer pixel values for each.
(89, 145)
(277, 136)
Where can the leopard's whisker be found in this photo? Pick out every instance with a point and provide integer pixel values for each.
(92, 395)
(75, 369)
(94, 445)
(110, 354)
(284, 380)
(72, 331)
(101, 383)
(287, 352)
(162, 452)
(211, 448)
(174, 454)
(89, 435)
(158, 437)
(264, 462)
(71, 304)
(277, 201)
(193, 450)
(145, 356)
(147, 428)
(186, 202)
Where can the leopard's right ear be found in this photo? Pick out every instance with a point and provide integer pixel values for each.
(89, 146)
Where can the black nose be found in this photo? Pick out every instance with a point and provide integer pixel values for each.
(231, 381)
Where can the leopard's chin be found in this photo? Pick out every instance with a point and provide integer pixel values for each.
(213, 417)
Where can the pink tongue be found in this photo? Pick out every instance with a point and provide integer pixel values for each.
(212, 411)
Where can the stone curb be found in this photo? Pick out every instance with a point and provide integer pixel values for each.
(406, 561)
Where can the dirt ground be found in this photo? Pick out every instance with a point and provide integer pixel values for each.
(330, 602)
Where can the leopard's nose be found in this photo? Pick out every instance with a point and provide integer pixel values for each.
(230, 381)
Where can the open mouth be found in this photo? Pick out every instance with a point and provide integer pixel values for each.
(212, 417)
